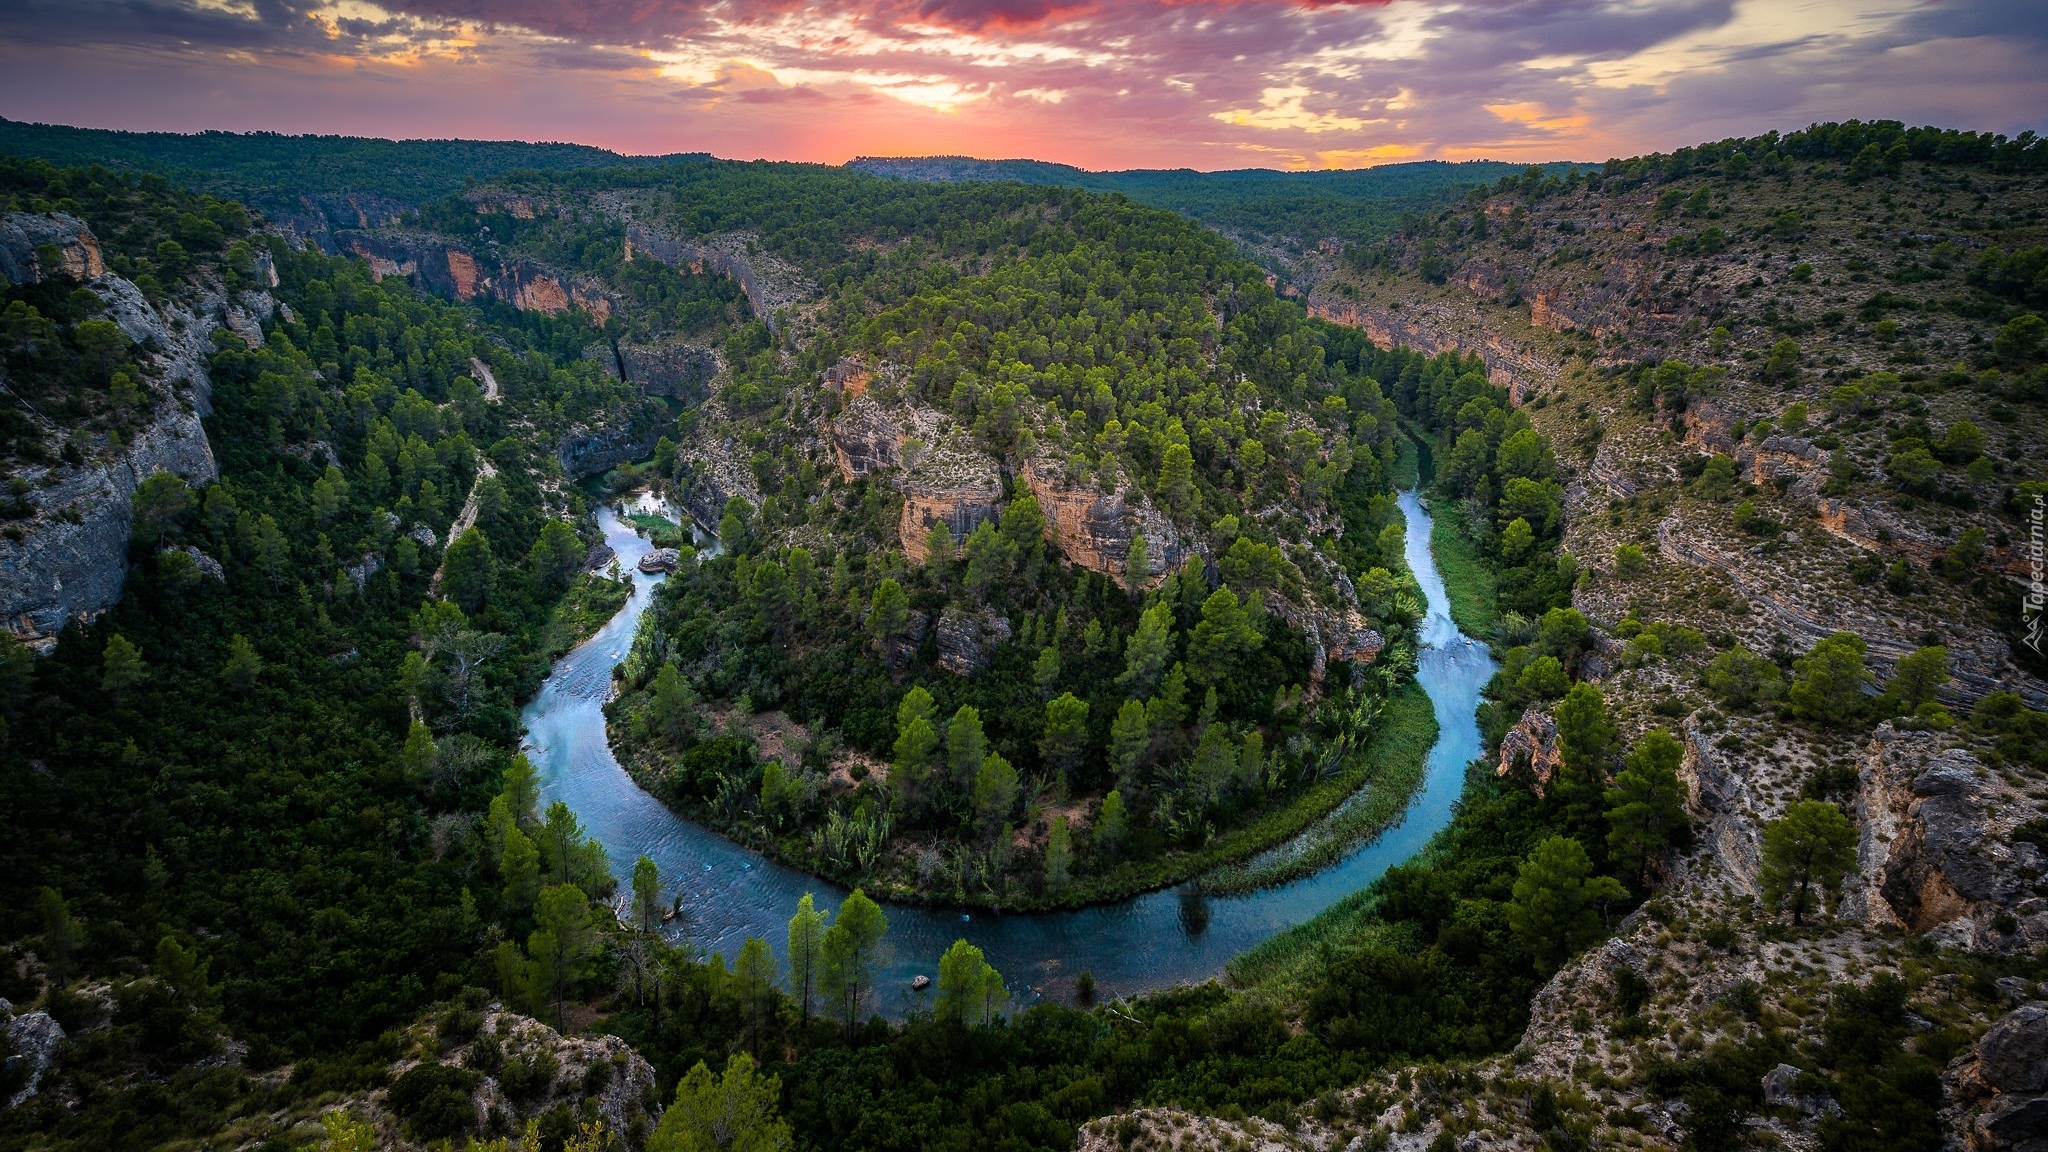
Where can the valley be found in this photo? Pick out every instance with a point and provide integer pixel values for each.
(1551, 668)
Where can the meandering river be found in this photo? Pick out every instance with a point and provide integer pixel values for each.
(730, 893)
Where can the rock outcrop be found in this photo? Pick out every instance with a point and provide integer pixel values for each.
(1432, 329)
(70, 559)
(449, 269)
(1938, 856)
(621, 439)
(2004, 1082)
(22, 233)
(1530, 748)
(603, 1074)
(771, 284)
(684, 372)
(1093, 529)
(33, 1038)
(967, 639)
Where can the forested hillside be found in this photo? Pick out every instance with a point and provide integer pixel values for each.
(1781, 395)
(1290, 211)
(1034, 506)
(1030, 551)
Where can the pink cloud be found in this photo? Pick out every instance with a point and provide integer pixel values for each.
(1101, 83)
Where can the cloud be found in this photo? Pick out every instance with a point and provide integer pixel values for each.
(1103, 83)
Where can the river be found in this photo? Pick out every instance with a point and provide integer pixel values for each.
(1161, 938)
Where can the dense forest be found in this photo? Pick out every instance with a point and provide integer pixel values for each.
(280, 874)
(1107, 351)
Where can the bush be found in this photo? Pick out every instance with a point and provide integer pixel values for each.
(434, 1100)
(528, 1076)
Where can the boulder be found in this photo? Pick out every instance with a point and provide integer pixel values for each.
(1531, 745)
(2013, 1056)
(966, 638)
(208, 566)
(21, 233)
(2016, 1125)
(34, 1037)
(661, 560)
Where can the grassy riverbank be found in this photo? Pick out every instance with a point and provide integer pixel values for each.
(1468, 578)
(589, 606)
(1393, 766)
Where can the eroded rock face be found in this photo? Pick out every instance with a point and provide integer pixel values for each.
(866, 438)
(586, 451)
(448, 269)
(1093, 529)
(71, 557)
(2003, 1081)
(682, 371)
(21, 233)
(966, 639)
(1531, 747)
(604, 1070)
(1508, 365)
(1950, 866)
(34, 1038)
(771, 284)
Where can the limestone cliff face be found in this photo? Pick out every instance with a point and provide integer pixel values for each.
(1093, 529)
(70, 559)
(771, 284)
(1431, 328)
(451, 270)
(586, 450)
(1531, 746)
(21, 233)
(686, 372)
(1938, 856)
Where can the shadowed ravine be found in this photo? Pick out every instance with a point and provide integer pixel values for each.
(1149, 941)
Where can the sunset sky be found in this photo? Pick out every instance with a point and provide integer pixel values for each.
(1147, 83)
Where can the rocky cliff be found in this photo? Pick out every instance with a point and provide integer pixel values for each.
(771, 284)
(681, 371)
(22, 234)
(587, 450)
(452, 270)
(69, 559)
(1093, 529)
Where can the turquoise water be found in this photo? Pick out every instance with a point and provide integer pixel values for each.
(730, 893)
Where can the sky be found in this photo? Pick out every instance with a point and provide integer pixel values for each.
(1208, 84)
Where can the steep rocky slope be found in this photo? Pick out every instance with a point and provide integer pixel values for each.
(1790, 398)
(64, 555)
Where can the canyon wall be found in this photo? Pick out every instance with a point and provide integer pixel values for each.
(69, 558)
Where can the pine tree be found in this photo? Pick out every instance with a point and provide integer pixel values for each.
(469, 570)
(1646, 806)
(970, 989)
(1066, 734)
(966, 747)
(1149, 651)
(647, 897)
(756, 971)
(733, 1112)
(1557, 902)
(806, 938)
(1059, 855)
(1827, 682)
(850, 954)
(1813, 845)
(121, 668)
